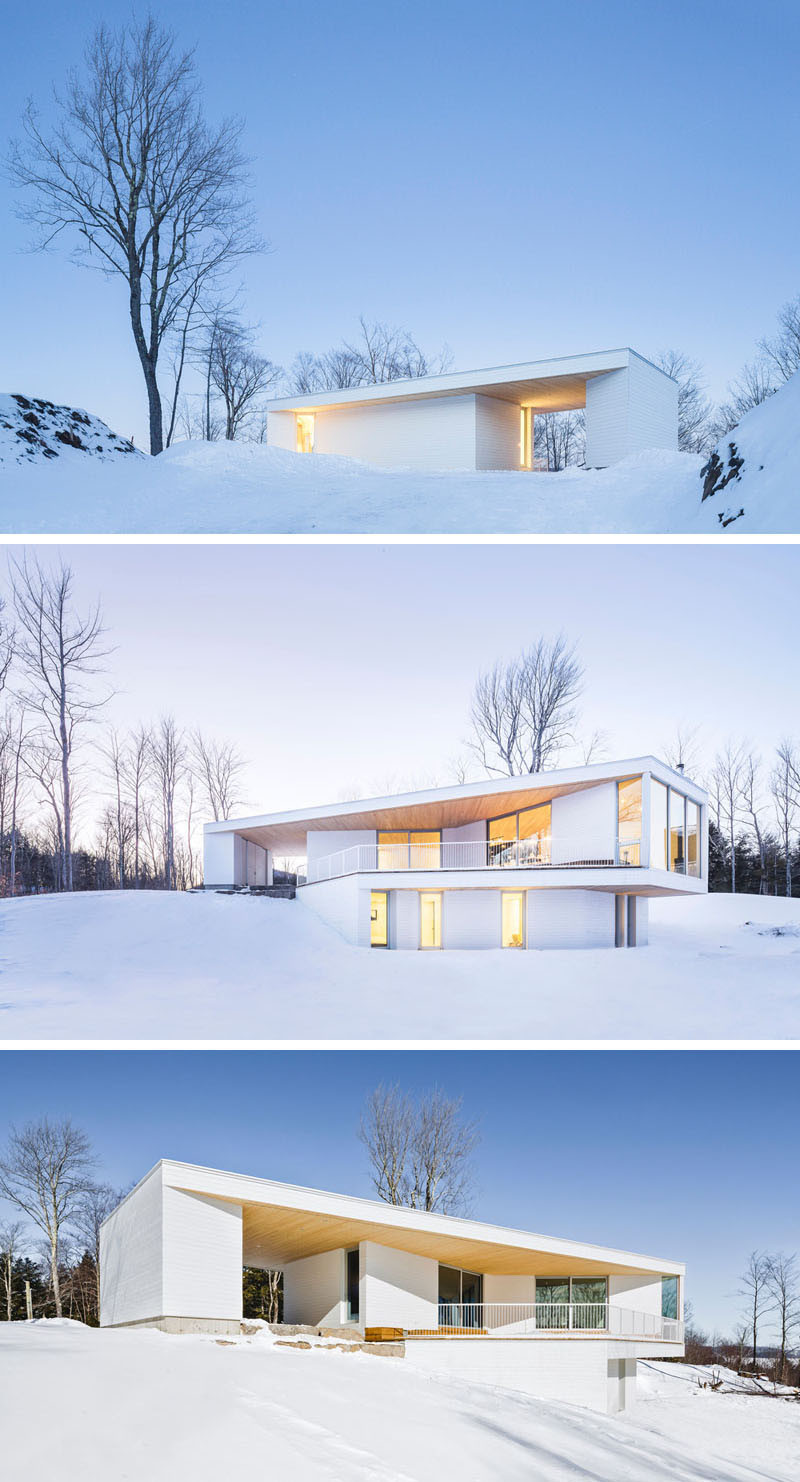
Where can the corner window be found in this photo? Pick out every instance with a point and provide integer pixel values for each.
(629, 821)
(305, 432)
(692, 838)
(669, 1296)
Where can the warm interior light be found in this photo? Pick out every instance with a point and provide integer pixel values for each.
(305, 432)
(525, 437)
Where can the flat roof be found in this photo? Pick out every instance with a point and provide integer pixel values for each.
(284, 1222)
(558, 384)
(444, 807)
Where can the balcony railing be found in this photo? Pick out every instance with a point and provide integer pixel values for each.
(511, 1319)
(479, 854)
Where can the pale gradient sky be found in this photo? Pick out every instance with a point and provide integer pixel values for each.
(519, 180)
(698, 1182)
(342, 670)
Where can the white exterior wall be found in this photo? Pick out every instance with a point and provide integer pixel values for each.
(636, 1293)
(313, 1290)
(438, 432)
(630, 411)
(590, 814)
(570, 918)
(344, 903)
(398, 1290)
(466, 833)
(131, 1245)
(497, 433)
(282, 431)
(321, 842)
(404, 924)
(517, 1289)
(471, 918)
(224, 859)
(551, 1369)
(202, 1256)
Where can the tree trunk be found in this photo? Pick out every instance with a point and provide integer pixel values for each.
(54, 1278)
(147, 360)
(66, 872)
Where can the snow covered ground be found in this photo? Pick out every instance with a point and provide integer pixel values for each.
(247, 488)
(125, 1406)
(152, 965)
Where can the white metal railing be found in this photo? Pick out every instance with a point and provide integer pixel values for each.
(477, 854)
(519, 1319)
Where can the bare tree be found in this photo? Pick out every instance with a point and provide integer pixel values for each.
(378, 353)
(169, 758)
(59, 652)
(525, 711)
(94, 1206)
(45, 1172)
(730, 780)
(218, 767)
(756, 1291)
(785, 789)
(753, 806)
(239, 375)
(754, 385)
(782, 351)
(783, 1285)
(559, 439)
(134, 174)
(419, 1151)
(682, 751)
(11, 1232)
(694, 407)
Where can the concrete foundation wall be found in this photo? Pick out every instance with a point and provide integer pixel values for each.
(552, 1369)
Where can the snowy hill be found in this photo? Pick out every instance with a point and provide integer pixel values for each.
(33, 432)
(123, 1406)
(752, 481)
(149, 964)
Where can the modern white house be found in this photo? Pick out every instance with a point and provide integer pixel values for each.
(484, 419)
(555, 1318)
(564, 858)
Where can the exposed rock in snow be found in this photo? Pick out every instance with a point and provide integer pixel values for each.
(751, 482)
(32, 430)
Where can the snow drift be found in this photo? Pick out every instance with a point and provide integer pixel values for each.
(134, 1405)
(751, 481)
(142, 964)
(33, 432)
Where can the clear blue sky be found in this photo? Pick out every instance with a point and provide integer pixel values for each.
(672, 1154)
(518, 179)
(346, 670)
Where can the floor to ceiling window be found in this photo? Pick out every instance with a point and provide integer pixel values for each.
(460, 1298)
(571, 1302)
(305, 432)
(430, 918)
(379, 919)
(401, 849)
(513, 918)
(520, 838)
(629, 821)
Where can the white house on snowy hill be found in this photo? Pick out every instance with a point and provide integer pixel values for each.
(484, 419)
(563, 858)
(549, 1317)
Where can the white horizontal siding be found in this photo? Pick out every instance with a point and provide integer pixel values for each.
(652, 408)
(131, 1244)
(497, 433)
(202, 1256)
(570, 918)
(434, 433)
(343, 903)
(313, 1290)
(589, 815)
(400, 1290)
(404, 921)
(471, 918)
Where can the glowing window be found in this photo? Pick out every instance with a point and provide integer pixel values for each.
(379, 919)
(424, 850)
(305, 432)
(677, 832)
(513, 919)
(629, 820)
(692, 838)
(430, 918)
(393, 850)
(400, 850)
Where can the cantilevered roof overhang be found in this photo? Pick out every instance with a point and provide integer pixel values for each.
(284, 1222)
(443, 807)
(546, 385)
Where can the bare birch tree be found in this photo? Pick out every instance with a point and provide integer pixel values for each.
(45, 1171)
(218, 767)
(11, 1232)
(92, 1208)
(238, 373)
(133, 174)
(169, 758)
(60, 652)
(525, 711)
(785, 789)
(419, 1151)
(756, 1291)
(729, 779)
(783, 1284)
(753, 806)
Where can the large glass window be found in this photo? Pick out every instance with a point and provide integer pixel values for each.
(400, 850)
(629, 820)
(677, 832)
(430, 918)
(669, 1296)
(589, 1302)
(571, 1301)
(379, 918)
(520, 838)
(658, 825)
(351, 1283)
(513, 909)
(460, 1298)
(305, 432)
(692, 838)
(552, 1303)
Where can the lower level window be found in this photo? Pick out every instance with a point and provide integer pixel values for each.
(305, 432)
(351, 1274)
(379, 919)
(430, 918)
(513, 919)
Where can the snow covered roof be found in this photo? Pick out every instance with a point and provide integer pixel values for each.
(553, 385)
